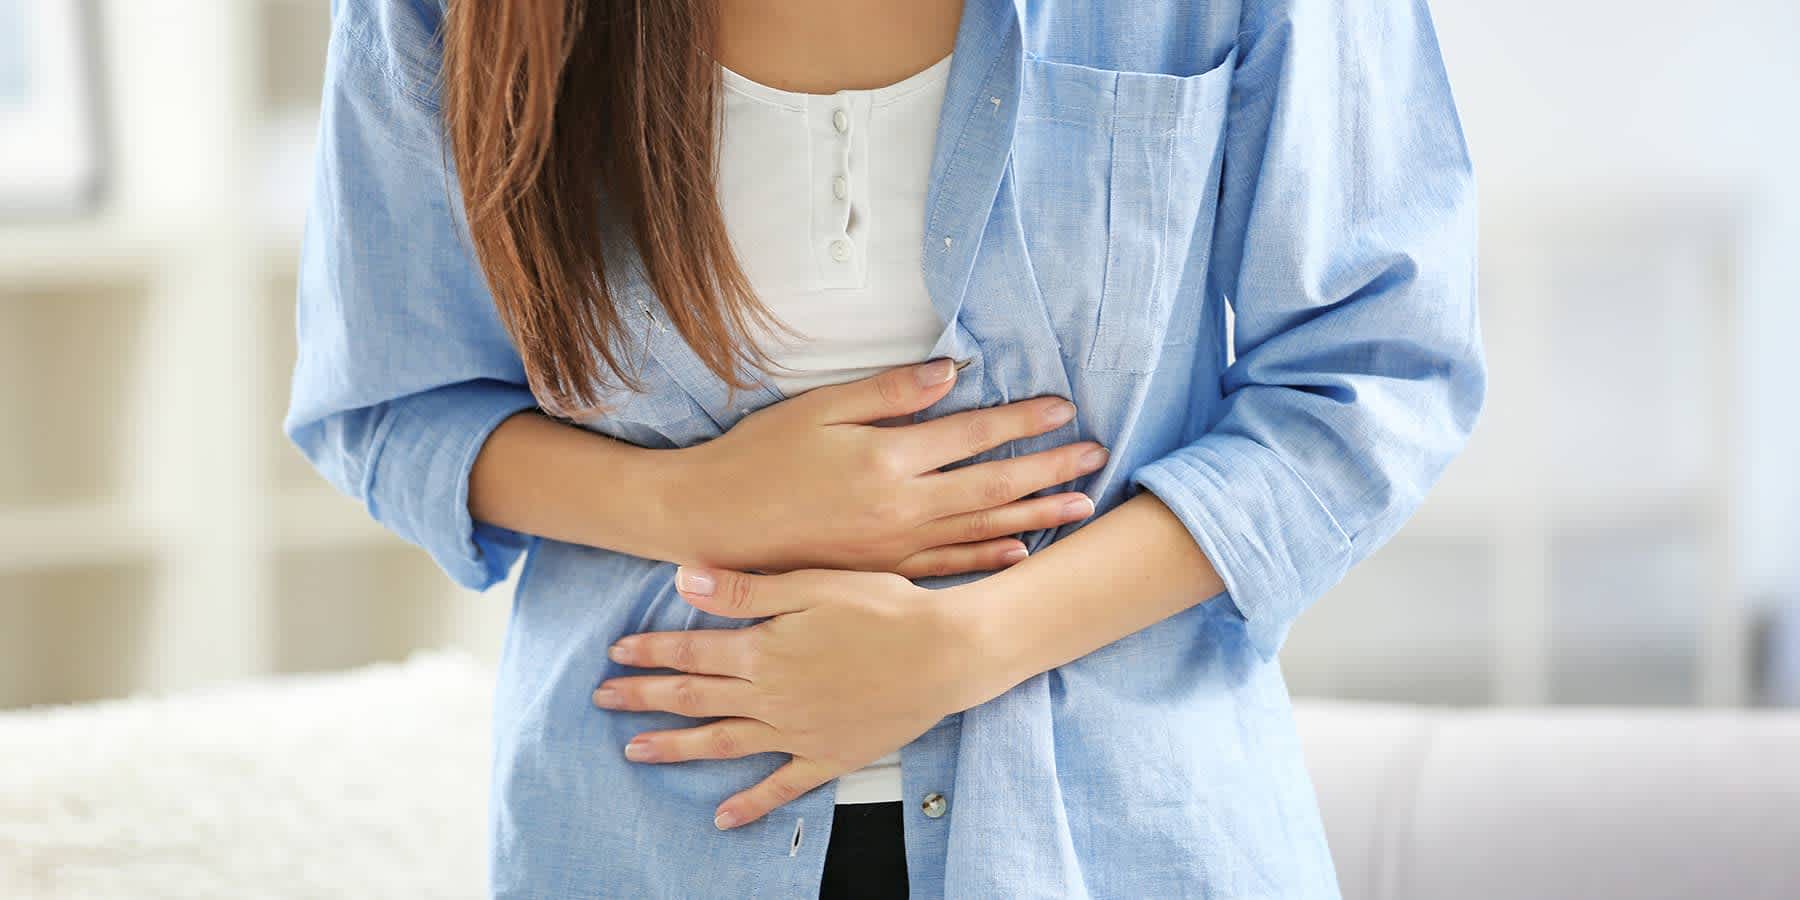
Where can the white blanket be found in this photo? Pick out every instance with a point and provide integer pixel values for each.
(371, 783)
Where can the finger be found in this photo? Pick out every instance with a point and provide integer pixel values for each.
(895, 392)
(954, 559)
(990, 484)
(1013, 518)
(695, 696)
(741, 595)
(783, 786)
(946, 439)
(724, 739)
(722, 651)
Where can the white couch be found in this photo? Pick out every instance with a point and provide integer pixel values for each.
(1425, 804)
(372, 784)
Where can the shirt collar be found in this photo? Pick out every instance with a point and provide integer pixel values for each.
(974, 141)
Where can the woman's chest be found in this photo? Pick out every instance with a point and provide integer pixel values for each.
(823, 197)
(1064, 239)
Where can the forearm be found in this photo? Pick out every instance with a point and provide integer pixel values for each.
(543, 477)
(1119, 574)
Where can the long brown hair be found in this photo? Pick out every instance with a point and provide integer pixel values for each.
(569, 120)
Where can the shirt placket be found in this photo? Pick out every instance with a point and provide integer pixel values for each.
(839, 128)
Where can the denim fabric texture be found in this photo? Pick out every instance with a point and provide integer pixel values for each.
(1107, 178)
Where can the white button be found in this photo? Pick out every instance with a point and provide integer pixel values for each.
(934, 805)
(840, 249)
(841, 121)
(840, 188)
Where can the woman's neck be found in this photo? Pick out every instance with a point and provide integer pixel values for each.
(821, 46)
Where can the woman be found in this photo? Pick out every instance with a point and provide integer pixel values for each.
(854, 378)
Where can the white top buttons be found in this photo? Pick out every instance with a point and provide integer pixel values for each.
(824, 202)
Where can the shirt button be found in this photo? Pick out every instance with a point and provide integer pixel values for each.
(840, 249)
(935, 805)
(841, 121)
(840, 188)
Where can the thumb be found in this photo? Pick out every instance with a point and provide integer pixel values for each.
(742, 595)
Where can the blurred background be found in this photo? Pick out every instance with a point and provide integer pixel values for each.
(1623, 529)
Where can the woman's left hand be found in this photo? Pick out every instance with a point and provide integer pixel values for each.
(852, 666)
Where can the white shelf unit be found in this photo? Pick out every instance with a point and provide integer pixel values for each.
(1584, 547)
(156, 529)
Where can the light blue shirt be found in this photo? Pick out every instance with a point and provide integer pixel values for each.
(1107, 177)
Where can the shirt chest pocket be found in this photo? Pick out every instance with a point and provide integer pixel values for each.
(1116, 175)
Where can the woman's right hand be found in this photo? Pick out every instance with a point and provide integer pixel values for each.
(815, 482)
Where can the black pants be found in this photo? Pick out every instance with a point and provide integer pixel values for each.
(866, 858)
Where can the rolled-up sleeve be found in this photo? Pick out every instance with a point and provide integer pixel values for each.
(403, 367)
(1345, 244)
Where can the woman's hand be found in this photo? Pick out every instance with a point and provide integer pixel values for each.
(836, 678)
(813, 482)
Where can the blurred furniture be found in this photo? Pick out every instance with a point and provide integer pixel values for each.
(1778, 651)
(372, 783)
(1585, 548)
(50, 161)
(157, 531)
(1576, 803)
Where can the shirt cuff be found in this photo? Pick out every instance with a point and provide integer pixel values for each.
(1275, 547)
(418, 479)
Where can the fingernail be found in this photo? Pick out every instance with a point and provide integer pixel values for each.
(1094, 459)
(1013, 555)
(1079, 508)
(1058, 413)
(724, 820)
(691, 581)
(620, 653)
(639, 751)
(935, 372)
(606, 697)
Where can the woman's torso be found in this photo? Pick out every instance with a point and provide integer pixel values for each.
(1062, 250)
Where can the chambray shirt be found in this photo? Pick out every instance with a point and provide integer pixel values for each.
(1107, 179)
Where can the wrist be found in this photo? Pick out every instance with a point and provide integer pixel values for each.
(982, 635)
(655, 484)
(678, 523)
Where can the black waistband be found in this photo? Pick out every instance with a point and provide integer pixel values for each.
(867, 854)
